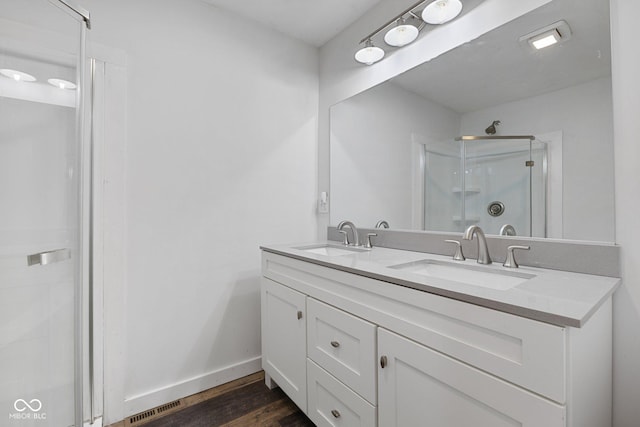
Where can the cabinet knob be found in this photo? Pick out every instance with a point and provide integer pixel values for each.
(335, 344)
(299, 315)
(383, 362)
(335, 413)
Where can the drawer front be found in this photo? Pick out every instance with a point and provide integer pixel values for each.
(344, 345)
(332, 404)
(526, 352)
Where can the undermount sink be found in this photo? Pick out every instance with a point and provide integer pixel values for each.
(469, 274)
(330, 250)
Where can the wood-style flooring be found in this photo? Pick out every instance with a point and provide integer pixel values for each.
(246, 402)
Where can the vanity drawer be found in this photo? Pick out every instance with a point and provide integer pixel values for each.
(344, 345)
(332, 404)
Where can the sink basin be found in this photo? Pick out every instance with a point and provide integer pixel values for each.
(330, 250)
(468, 274)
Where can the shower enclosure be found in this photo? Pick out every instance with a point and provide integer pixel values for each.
(496, 182)
(45, 239)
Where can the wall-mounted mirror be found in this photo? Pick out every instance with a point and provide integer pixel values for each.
(396, 154)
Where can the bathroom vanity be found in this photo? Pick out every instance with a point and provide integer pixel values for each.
(388, 337)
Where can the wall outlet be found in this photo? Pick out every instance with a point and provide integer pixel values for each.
(323, 203)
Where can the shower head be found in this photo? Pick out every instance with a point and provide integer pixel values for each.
(491, 130)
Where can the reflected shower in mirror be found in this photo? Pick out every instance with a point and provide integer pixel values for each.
(394, 153)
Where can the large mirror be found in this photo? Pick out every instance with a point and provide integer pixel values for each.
(397, 155)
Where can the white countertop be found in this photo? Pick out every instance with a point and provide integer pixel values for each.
(552, 296)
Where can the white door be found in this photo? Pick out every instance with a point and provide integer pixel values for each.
(41, 225)
(420, 387)
(284, 339)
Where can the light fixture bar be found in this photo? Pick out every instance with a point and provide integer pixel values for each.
(409, 10)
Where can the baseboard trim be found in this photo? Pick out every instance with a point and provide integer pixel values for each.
(142, 402)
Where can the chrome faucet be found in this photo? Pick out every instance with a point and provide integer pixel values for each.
(354, 232)
(483, 249)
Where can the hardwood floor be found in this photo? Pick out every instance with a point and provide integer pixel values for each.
(246, 402)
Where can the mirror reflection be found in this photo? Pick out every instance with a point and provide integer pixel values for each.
(495, 133)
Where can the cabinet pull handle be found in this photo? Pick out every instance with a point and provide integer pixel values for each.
(383, 362)
(335, 413)
(299, 315)
(335, 344)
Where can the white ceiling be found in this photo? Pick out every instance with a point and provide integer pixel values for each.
(312, 21)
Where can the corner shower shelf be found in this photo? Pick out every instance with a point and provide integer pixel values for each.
(468, 190)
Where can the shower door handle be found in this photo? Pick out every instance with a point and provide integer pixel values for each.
(49, 257)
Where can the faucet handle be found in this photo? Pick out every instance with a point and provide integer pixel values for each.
(367, 243)
(510, 262)
(345, 237)
(458, 256)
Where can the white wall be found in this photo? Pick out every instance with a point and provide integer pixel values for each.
(584, 114)
(626, 109)
(373, 139)
(221, 157)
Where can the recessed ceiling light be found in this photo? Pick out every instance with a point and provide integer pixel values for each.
(546, 39)
(441, 11)
(547, 36)
(62, 84)
(16, 75)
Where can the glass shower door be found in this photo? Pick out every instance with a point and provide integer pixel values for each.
(40, 223)
(498, 185)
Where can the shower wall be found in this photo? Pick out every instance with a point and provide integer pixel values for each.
(584, 115)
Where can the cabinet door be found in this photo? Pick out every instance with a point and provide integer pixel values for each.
(284, 339)
(418, 386)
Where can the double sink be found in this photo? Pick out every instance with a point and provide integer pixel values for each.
(459, 271)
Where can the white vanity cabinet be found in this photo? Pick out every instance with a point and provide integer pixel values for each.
(378, 354)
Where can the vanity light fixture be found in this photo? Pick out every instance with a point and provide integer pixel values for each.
(402, 34)
(551, 34)
(16, 75)
(369, 53)
(62, 84)
(405, 27)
